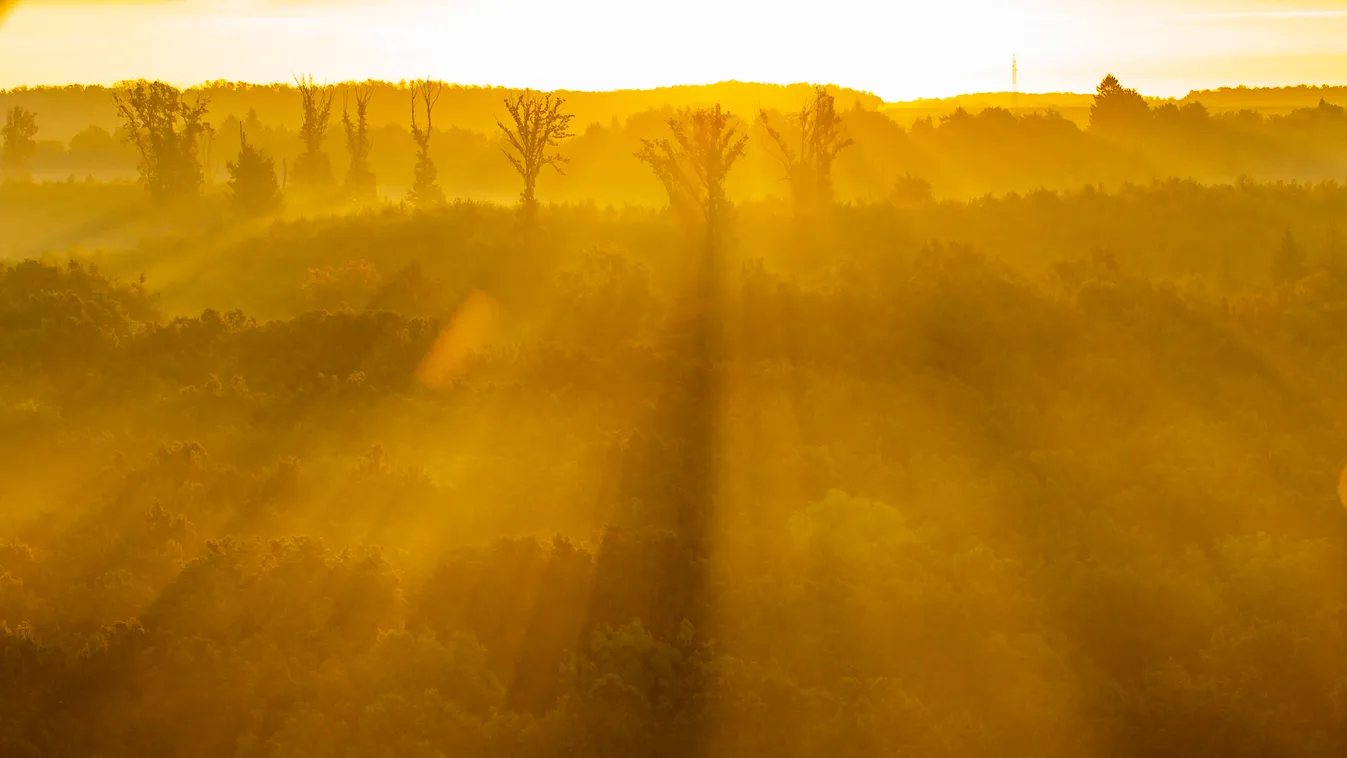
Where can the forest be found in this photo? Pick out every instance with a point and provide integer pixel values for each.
(420, 420)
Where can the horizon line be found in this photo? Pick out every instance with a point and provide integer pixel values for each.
(403, 83)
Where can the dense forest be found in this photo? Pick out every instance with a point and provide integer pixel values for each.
(773, 429)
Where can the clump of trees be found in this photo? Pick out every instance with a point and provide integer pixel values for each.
(425, 191)
(253, 188)
(19, 146)
(539, 125)
(166, 131)
(360, 181)
(818, 138)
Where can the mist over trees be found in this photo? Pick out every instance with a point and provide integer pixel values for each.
(820, 435)
(985, 146)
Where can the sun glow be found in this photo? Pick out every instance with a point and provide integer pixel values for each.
(899, 50)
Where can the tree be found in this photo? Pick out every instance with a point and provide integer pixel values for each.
(821, 137)
(1117, 108)
(1289, 261)
(19, 145)
(911, 192)
(539, 125)
(360, 181)
(425, 191)
(1334, 259)
(313, 169)
(693, 165)
(253, 189)
(166, 130)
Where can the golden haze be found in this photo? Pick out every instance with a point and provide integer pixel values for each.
(404, 418)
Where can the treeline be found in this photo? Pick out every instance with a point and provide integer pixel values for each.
(69, 110)
(961, 154)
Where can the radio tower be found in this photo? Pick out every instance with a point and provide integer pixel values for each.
(1014, 81)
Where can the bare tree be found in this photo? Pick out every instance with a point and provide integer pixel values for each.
(539, 125)
(359, 178)
(425, 190)
(19, 146)
(821, 137)
(313, 169)
(166, 130)
(693, 165)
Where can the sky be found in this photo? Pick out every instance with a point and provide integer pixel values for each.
(896, 49)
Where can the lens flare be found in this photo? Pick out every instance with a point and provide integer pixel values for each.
(468, 331)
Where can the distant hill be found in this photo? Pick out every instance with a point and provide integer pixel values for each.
(1071, 105)
(1267, 99)
(1008, 100)
(64, 111)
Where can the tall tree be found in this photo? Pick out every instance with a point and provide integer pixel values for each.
(253, 189)
(425, 191)
(820, 136)
(1117, 108)
(539, 125)
(693, 165)
(313, 169)
(19, 146)
(360, 181)
(166, 130)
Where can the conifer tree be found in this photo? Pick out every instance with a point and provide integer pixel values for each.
(253, 188)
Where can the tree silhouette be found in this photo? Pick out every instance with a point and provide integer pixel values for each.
(693, 165)
(1334, 257)
(19, 145)
(425, 191)
(1289, 261)
(1117, 108)
(313, 169)
(165, 129)
(821, 137)
(360, 181)
(539, 125)
(253, 189)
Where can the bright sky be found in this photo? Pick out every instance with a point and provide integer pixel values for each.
(899, 49)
